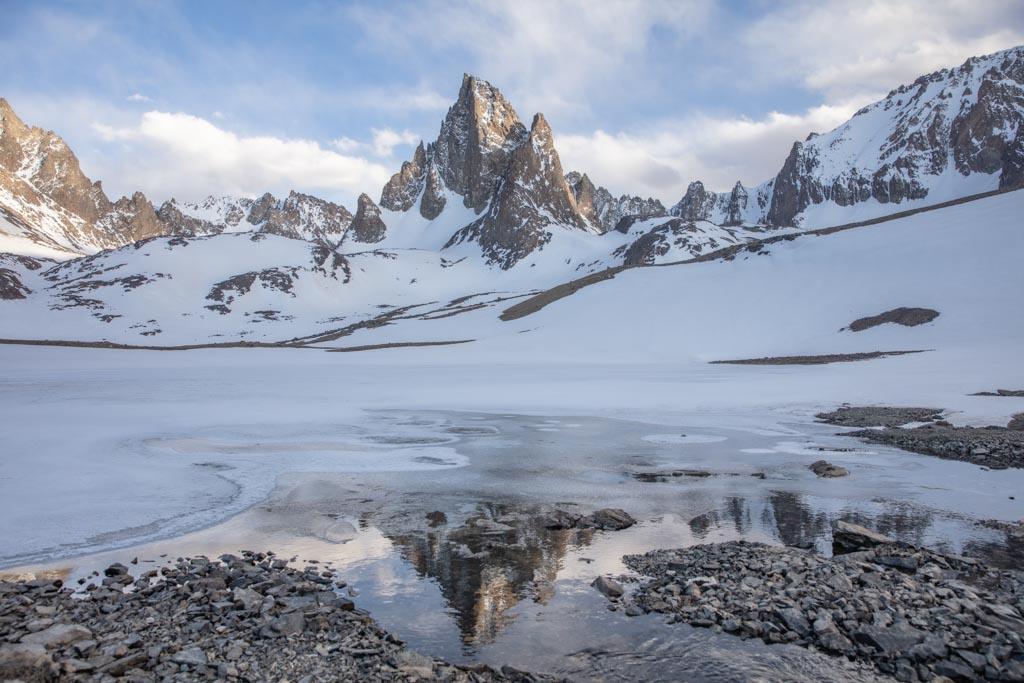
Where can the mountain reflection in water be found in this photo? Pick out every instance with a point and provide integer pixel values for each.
(488, 563)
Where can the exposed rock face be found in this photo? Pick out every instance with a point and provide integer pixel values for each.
(367, 227)
(434, 199)
(602, 210)
(476, 142)
(402, 191)
(956, 122)
(724, 209)
(298, 216)
(42, 184)
(532, 197)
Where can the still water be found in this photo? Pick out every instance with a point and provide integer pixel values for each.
(444, 540)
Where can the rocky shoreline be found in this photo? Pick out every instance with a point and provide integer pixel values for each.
(994, 447)
(240, 618)
(914, 614)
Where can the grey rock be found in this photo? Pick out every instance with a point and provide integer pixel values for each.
(193, 656)
(58, 635)
(608, 586)
(848, 537)
(890, 640)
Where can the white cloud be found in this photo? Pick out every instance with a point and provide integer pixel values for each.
(138, 97)
(843, 48)
(385, 140)
(347, 145)
(550, 54)
(188, 157)
(661, 160)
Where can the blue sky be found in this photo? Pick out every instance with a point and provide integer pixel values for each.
(187, 99)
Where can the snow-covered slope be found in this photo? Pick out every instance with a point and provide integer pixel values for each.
(949, 134)
(794, 298)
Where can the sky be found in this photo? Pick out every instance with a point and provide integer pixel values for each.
(195, 98)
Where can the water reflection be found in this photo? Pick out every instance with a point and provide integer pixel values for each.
(486, 564)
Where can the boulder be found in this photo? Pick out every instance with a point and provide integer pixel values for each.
(58, 635)
(608, 519)
(608, 586)
(848, 537)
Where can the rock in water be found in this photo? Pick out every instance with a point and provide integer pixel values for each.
(608, 519)
(827, 470)
(608, 586)
(849, 538)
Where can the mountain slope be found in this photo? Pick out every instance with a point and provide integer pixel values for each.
(950, 134)
(54, 204)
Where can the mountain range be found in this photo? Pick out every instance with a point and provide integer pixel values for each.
(485, 211)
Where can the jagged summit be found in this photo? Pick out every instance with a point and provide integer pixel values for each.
(509, 176)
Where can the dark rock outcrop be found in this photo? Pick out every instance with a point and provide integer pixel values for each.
(476, 142)
(908, 317)
(700, 205)
(605, 212)
(367, 227)
(402, 191)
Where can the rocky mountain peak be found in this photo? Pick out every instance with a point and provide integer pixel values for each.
(476, 139)
(367, 227)
(46, 189)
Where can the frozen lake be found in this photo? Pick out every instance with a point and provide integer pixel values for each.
(435, 516)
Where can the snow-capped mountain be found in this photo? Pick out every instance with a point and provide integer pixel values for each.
(483, 214)
(49, 207)
(949, 134)
(298, 216)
